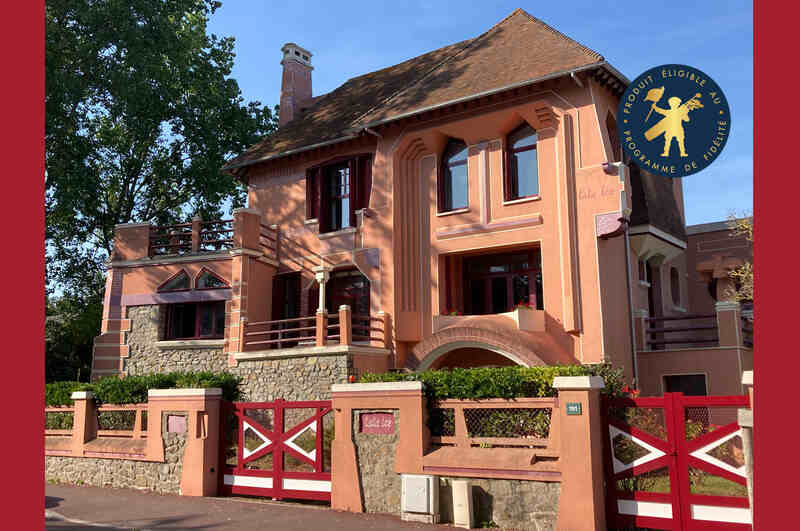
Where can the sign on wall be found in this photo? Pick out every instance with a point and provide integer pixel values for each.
(376, 423)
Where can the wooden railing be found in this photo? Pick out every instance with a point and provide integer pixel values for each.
(528, 423)
(318, 330)
(197, 236)
(687, 330)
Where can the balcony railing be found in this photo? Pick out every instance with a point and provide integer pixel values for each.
(318, 330)
(195, 237)
(683, 331)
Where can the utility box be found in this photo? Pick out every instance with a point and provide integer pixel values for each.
(420, 498)
(462, 504)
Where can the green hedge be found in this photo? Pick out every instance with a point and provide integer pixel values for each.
(133, 389)
(501, 382)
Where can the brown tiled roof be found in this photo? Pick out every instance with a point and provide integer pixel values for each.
(518, 49)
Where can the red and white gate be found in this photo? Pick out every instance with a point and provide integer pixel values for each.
(278, 449)
(676, 462)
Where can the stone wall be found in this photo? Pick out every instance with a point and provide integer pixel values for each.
(301, 378)
(163, 478)
(381, 487)
(509, 503)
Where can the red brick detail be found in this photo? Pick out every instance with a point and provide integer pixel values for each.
(115, 364)
(110, 338)
(122, 351)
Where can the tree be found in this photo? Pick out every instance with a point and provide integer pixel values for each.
(71, 325)
(141, 114)
(742, 276)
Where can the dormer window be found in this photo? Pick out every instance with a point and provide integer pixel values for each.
(453, 189)
(522, 166)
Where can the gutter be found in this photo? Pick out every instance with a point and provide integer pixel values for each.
(358, 130)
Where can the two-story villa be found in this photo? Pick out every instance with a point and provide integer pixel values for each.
(462, 208)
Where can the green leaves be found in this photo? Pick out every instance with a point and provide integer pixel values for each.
(501, 382)
(133, 389)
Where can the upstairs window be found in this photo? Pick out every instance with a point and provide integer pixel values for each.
(522, 166)
(177, 282)
(453, 191)
(335, 190)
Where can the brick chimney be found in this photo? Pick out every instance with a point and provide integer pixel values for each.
(296, 83)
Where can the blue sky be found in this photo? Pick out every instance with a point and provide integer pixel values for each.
(353, 38)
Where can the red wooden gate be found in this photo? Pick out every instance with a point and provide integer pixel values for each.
(278, 449)
(676, 462)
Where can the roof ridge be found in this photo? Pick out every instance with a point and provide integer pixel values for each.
(553, 30)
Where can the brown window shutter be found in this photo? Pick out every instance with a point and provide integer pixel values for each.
(312, 193)
(364, 181)
(323, 202)
(353, 190)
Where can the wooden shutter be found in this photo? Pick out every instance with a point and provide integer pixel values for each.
(313, 184)
(353, 169)
(324, 203)
(363, 181)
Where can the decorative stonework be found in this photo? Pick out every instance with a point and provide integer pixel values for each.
(163, 478)
(306, 378)
(380, 484)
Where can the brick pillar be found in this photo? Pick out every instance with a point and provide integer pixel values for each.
(322, 328)
(387, 329)
(201, 463)
(746, 423)
(131, 241)
(196, 228)
(247, 229)
(582, 501)
(729, 323)
(84, 423)
(345, 325)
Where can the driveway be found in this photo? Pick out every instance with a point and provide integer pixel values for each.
(76, 507)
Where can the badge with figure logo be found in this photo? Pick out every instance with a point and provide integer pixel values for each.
(673, 120)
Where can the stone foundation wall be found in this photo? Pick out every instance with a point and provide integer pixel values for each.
(509, 503)
(381, 487)
(306, 378)
(163, 478)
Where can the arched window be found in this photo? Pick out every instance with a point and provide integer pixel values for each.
(613, 137)
(522, 167)
(675, 285)
(178, 281)
(453, 192)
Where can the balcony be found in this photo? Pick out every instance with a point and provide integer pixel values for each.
(525, 319)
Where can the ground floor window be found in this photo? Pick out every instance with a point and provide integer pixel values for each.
(688, 384)
(195, 320)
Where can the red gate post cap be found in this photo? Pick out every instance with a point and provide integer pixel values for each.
(578, 382)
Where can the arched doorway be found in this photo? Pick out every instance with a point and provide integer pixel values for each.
(470, 357)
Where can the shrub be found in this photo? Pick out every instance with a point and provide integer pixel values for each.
(133, 389)
(500, 382)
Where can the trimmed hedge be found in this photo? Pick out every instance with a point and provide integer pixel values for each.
(133, 389)
(501, 382)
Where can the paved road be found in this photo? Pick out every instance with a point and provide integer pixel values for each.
(74, 507)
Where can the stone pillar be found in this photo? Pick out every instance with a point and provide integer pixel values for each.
(746, 423)
(729, 324)
(413, 438)
(201, 462)
(322, 274)
(196, 228)
(131, 241)
(582, 501)
(345, 325)
(84, 421)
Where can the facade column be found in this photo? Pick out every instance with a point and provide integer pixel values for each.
(322, 274)
(729, 324)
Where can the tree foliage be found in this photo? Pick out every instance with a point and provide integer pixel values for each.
(743, 275)
(141, 114)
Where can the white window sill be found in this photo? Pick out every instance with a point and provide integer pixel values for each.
(452, 212)
(188, 344)
(326, 235)
(523, 200)
(679, 309)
